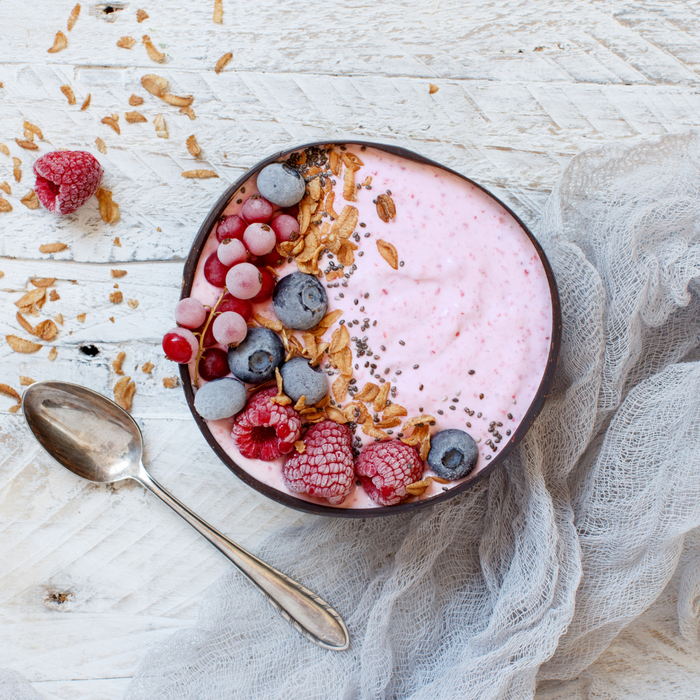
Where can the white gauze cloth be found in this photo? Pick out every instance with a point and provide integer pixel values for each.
(574, 570)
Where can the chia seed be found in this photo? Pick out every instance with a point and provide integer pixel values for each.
(440, 411)
(510, 416)
(420, 388)
(401, 342)
(471, 371)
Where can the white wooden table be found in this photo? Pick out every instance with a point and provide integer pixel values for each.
(90, 575)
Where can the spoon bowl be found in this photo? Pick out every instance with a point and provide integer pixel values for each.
(85, 432)
(98, 440)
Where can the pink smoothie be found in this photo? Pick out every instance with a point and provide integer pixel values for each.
(462, 329)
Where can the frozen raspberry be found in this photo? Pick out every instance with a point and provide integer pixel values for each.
(265, 430)
(65, 180)
(386, 468)
(325, 468)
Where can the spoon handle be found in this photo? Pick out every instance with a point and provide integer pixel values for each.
(308, 613)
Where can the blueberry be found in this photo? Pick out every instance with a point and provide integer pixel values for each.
(221, 398)
(301, 379)
(453, 453)
(300, 301)
(255, 359)
(281, 184)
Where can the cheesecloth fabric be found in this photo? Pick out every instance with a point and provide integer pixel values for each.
(573, 572)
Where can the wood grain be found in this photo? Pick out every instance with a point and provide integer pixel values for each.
(523, 86)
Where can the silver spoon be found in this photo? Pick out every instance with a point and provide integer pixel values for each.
(96, 439)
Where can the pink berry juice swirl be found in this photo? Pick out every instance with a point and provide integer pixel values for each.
(462, 328)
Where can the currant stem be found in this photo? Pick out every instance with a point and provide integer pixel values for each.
(201, 337)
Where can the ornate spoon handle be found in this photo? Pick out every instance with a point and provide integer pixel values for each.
(308, 613)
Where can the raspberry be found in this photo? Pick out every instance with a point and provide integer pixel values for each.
(325, 468)
(65, 180)
(265, 430)
(386, 468)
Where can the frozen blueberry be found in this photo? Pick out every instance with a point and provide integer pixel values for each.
(301, 379)
(300, 301)
(281, 184)
(453, 453)
(255, 359)
(221, 398)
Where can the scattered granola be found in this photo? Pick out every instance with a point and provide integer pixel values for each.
(109, 210)
(135, 100)
(81, 317)
(26, 381)
(379, 403)
(124, 391)
(134, 117)
(418, 488)
(4, 149)
(222, 62)
(155, 84)
(21, 345)
(161, 129)
(73, 18)
(33, 128)
(5, 206)
(141, 15)
(118, 273)
(52, 247)
(147, 368)
(432, 89)
(7, 390)
(59, 43)
(86, 102)
(152, 51)
(46, 330)
(6, 188)
(192, 146)
(189, 112)
(35, 296)
(53, 354)
(113, 121)
(126, 42)
(118, 362)
(199, 174)
(116, 297)
(386, 209)
(30, 200)
(388, 252)
(27, 145)
(178, 100)
(218, 12)
(117, 242)
(54, 296)
(133, 303)
(16, 170)
(170, 382)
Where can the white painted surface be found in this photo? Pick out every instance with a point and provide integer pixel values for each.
(524, 85)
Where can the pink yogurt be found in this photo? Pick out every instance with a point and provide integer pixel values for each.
(464, 323)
